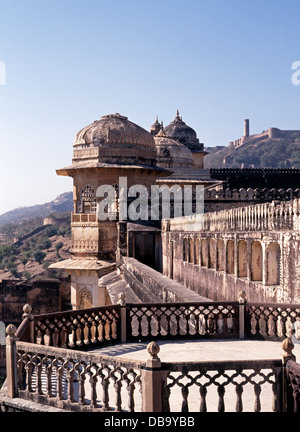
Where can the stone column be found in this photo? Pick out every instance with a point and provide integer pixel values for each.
(11, 361)
(246, 127)
(152, 381)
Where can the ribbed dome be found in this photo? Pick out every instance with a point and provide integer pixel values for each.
(183, 133)
(171, 153)
(114, 138)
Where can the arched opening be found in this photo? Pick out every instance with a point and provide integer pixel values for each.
(85, 299)
(197, 251)
(230, 257)
(204, 252)
(185, 249)
(256, 261)
(212, 253)
(221, 254)
(242, 259)
(273, 263)
(191, 250)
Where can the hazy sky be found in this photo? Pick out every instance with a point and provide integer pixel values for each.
(68, 62)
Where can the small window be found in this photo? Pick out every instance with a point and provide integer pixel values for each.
(87, 200)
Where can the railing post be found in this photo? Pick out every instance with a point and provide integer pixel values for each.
(152, 391)
(242, 305)
(287, 354)
(122, 303)
(11, 361)
(27, 309)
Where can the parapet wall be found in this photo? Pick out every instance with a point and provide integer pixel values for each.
(274, 216)
(151, 286)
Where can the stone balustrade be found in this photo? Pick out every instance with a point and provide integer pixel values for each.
(59, 372)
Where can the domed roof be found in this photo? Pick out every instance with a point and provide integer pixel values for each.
(114, 139)
(183, 133)
(171, 153)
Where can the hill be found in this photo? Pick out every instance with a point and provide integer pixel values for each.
(62, 203)
(31, 257)
(257, 152)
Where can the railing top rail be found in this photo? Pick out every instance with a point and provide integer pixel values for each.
(226, 364)
(23, 327)
(183, 304)
(75, 312)
(76, 355)
(274, 305)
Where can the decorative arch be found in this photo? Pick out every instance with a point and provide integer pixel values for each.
(197, 251)
(230, 257)
(242, 258)
(191, 250)
(221, 252)
(212, 253)
(204, 252)
(273, 263)
(85, 299)
(256, 261)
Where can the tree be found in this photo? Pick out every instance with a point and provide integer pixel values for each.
(46, 244)
(39, 256)
(24, 260)
(58, 247)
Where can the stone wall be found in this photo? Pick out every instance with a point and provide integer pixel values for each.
(151, 286)
(43, 296)
(254, 249)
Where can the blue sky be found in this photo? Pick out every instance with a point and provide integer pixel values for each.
(69, 62)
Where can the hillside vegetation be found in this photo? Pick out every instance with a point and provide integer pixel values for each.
(31, 258)
(267, 153)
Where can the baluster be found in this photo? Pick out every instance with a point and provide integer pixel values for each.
(70, 379)
(38, 373)
(140, 324)
(93, 382)
(158, 324)
(105, 384)
(203, 393)
(271, 325)
(130, 388)
(78, 333)
(108, 328)
(20, 366)
(257, 391)
(221, 393)
(48, 367)
(114, 328)
(63, 337)
(101, 331)
(185, 393)
(29, 368)
(59, 373)
(117, 387)
(81, 372)
(149, 325)
(93, 331)
(86, 334)
(239, 404)
(55, 337)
